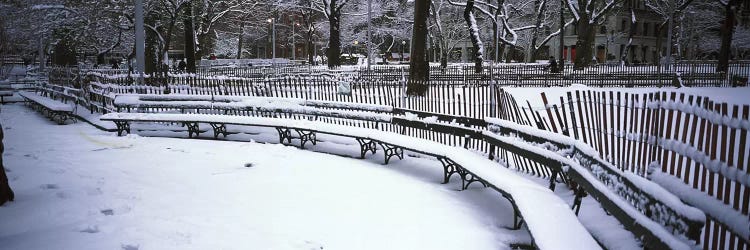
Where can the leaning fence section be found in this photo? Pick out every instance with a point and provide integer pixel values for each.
(699, 141)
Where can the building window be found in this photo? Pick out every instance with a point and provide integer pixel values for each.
(645, 29)
(602, 29)
(623, 24)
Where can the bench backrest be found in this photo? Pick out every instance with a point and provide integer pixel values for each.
(364, 112)
(650, 200)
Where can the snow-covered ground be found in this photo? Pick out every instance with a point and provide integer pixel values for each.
(81, 188)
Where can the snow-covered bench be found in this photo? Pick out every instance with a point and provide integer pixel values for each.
(649, 211)
(3, 94)
(549, 220)
(231, 104)
(62, 93)
(56, 110)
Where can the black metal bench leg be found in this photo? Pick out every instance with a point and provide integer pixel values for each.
(219, 128)
(305, 136)
(517, 220)
(366, 145)
(552, 180)
(192, 128)
(284, 133)
(60, 117)
(468, 178)
(449, 168)
(122, 126)
(390, 151)
(577, 200)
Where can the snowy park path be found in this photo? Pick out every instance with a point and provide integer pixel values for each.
(81, 188)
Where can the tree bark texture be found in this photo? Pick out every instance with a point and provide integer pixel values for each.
(419, 67)
(727, 28)
(189, 38)
(334, 40)
(584, 43)
(240, 39)
(474, 35)
(631, 34)
(152, 45)
(6, 194)
(441, 43)
(538, 5)
(659, 42)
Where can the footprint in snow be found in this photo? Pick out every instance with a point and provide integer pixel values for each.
(129, 247)
(124, 209)
(107, 212)
(57, 171)
(311, 245)
(177, 150)
(62, 195)
(31, 156)
(92, 229)
(50, 186)
(93, 191)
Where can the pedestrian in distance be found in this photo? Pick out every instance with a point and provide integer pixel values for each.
(114, 63)
(553, 65)
(182, 65)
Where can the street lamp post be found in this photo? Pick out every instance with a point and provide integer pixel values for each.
(140, 41)
(561, 65)
(273, 38)
(403, 43)
(354, 50)
(294, 45)
(369, 33)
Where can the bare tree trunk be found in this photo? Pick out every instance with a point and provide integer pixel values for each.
(6, 194)
(584, 43)
(240, 40)
(727, 28)
(419, 67)
(334, 40)
(474, 35)
(631, 33)
(308, 17)
(496, 34)
(442, 44)
(494, 42)
(539, 7)
(189, 38)
(659, 42)
(310, 49)
(168, 38)
(152, 46)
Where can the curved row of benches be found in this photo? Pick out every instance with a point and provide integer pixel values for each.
(546, 216)
(657, 217)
